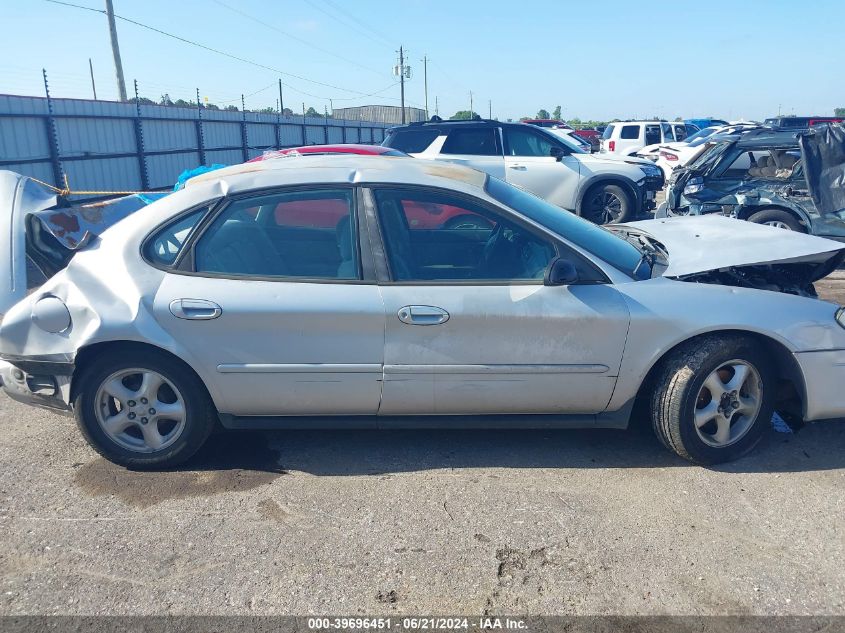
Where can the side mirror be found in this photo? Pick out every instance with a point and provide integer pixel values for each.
(561, 272)
(557, 152)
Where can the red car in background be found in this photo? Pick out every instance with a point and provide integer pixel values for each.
(420, 215)
(350, 148)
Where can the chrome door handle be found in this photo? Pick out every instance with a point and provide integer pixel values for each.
(518, 167)
(423, 315)
(195, 309)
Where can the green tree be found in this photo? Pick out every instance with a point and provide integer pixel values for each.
(165, 100)
(463, 115)
(181, 103)
(230, 108)
(839, 112)
(268, 110)
(556, 114)
(312, 112)
(543, 114)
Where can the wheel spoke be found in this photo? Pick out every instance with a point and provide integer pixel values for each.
(117, 390)
(152, 437)
(705, 414)
(747, 405)
(150, 384)
(723, 430)
(715, 386)
(117, 423)
(170, 411)
(740, 374)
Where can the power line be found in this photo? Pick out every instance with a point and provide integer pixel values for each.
(294, 37)
(345, 22)
(219, 52)
(357, 21)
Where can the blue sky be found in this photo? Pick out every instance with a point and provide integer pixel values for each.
(598, 59)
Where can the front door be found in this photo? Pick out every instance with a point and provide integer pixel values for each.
(276, 310)
(530, 165)
(472, 329)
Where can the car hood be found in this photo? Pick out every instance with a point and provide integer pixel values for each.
(700, 244)
(48, 230)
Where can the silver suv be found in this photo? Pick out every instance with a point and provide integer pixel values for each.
(602, 189)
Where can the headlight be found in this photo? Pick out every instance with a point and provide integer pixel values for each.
(840, 316)
(694, 185)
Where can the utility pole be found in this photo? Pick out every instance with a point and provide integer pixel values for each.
(436, 106)
(402, 81)
(281, 99)
(490, 108)
(115, 49)
(425, 83)
(470, 104)
(93, 86)
(331, 106)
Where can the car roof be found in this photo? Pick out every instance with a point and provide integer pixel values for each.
(301, 169)
(345, 148)
(765, 136)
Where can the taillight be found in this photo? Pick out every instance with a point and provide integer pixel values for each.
(611, 146)
(668, 156)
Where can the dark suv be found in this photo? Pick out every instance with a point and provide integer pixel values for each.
(600, 188)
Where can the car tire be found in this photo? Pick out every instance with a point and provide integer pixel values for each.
(169, 422)
(698, 383)
(607, 203)
(777, 218)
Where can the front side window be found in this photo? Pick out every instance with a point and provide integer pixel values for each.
(300, 234)
(164, 246)
(652, 134)
(527, 142)
(471, 244)
(473, 141)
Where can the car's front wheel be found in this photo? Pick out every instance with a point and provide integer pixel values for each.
(777, 218)
(140, 409)
(714, 398)
(607, 203)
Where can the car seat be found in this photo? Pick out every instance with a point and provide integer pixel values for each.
(240, 246)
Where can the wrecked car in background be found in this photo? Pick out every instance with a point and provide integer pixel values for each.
(329, 308)
(783, 178)
(46, 230)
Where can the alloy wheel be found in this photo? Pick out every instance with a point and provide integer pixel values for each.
(728, 403)
(606, 207)
(140, 410)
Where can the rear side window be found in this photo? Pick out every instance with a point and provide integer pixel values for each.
(411, 141)
(297, 234)
(630, 132)
(164, 246)
(477, 142)
(608, 132)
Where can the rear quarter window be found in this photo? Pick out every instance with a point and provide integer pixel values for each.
(411, 141)
(608, 132)
(630, 132)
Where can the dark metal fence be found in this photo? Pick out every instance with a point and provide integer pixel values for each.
(113, 146)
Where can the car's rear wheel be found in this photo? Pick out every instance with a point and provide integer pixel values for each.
(714, 398)
(140, 409)
(606, 203)
(777, 218)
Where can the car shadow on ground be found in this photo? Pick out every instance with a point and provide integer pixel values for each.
(337, 453)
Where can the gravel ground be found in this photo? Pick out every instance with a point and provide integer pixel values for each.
(520, 522)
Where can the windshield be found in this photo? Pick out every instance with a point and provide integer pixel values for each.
(708, 156)
(594, 239)
(572, 142)
(701, 134)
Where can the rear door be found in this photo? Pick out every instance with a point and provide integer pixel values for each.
(472, 329)
(530, 165)
(476, 146)
(273, 300)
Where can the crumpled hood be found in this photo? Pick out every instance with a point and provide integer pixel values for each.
(699, 244)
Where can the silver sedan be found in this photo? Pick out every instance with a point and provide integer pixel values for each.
(349, 292)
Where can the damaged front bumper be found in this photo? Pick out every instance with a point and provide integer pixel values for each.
(39, 382)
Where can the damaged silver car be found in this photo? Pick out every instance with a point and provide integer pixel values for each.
(789, 179)
(332, 292)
